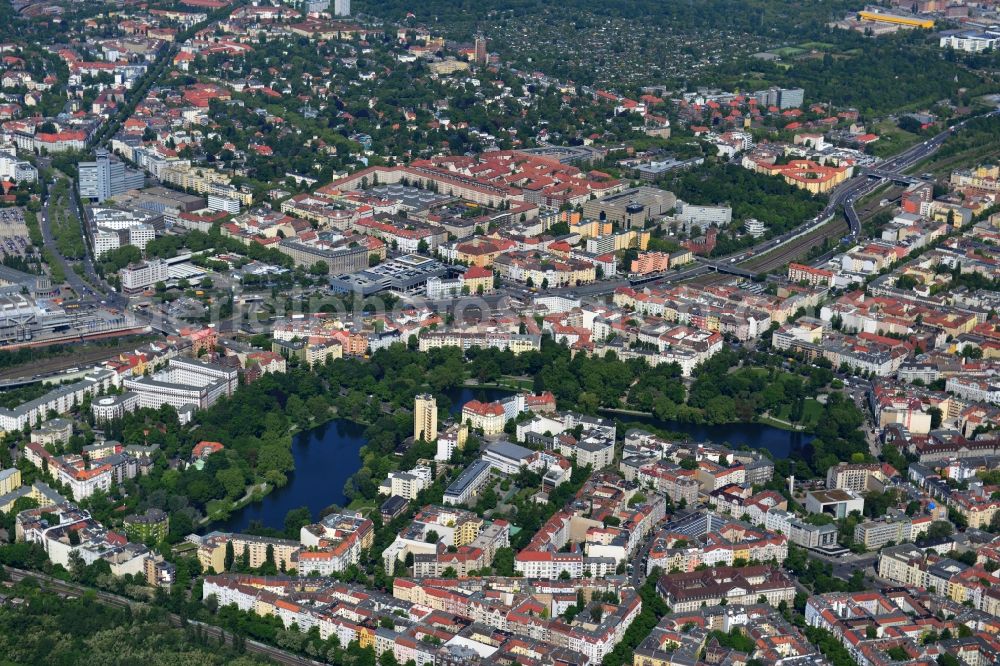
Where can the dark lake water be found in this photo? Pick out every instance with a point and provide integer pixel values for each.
(781, 443)
(326, 456)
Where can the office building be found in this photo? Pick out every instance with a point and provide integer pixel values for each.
(116, 227)
(691, 216)
(837, 502)
(656, 169)
(859, 477)
(799, 532)
(507, 458)
(425, 417)
(404, 275)
(217, 202)
(971, 41)
(107, 177)
(186, 384)
(791, 98)
(339, 259)
(143, 275)
(341, 7)
(783, 98)
(754, 227)
(895, 528)
(631, 208)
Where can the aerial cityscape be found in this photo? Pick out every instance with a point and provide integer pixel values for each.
(392, 333)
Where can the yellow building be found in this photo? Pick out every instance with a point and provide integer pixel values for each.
(482, 252)
(366, 636)
(522, 344)
(990, 604)
(977, 509)
(467, 530)
(488, 417)
(906, 21)
(681, 257)
(319, 352)
(263, 607)
(983, 177)
(987, 171)
(38, 491)
(587, 228)
(575, 274)
(201, 180)
(659, 658)
(10, 480)
(949, 214)
(638, 238)
(425, 417)
(212, 555)
(478, 280)
(448, 66)
(212, 551)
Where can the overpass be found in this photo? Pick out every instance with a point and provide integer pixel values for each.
(894, 176)
(725, 267)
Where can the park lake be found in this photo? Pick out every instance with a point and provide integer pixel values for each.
(327, 456)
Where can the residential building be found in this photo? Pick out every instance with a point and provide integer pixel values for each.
(859, 477)
(893, 528)
(487, 417)
(799, 532)
(407, 484)
(151, 526)
(10, 480)
(425, 418)
(60, 400)
(468, 484)
(451, 440)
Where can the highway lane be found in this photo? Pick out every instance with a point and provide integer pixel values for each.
(847, 193)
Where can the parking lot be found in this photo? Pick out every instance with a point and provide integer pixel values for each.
(13, 232)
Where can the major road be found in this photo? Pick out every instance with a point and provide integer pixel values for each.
(844, 196)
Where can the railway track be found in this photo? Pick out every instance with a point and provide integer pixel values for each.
(217, 633)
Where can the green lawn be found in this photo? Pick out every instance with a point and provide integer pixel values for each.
(360, 503)
(217, 506)
(788, 51)
(891, 139)
(811, 412)
(817, 46)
